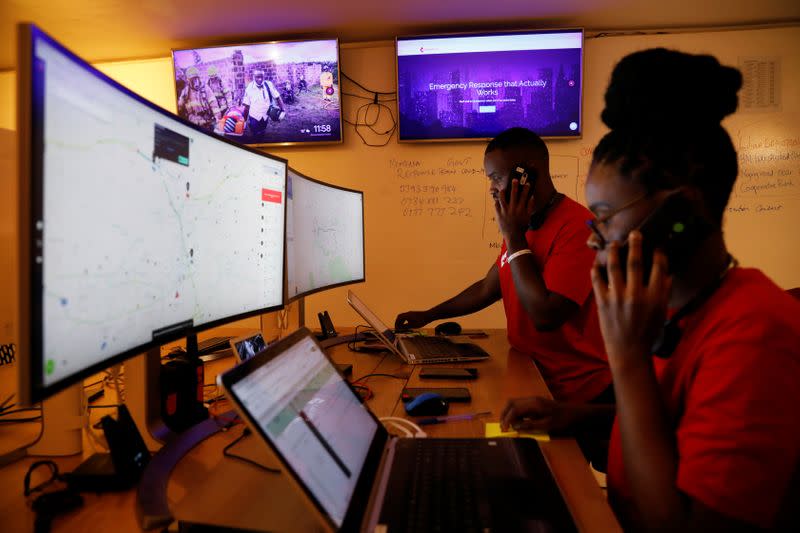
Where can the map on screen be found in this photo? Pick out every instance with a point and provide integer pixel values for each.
(324, 235)
(148, 224)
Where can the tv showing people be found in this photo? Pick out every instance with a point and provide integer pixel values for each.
(265, 93)
(324, 235)
(475, 86)
(142, 227)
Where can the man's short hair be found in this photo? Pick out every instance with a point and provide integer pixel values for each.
(519, 138)
(257, 71)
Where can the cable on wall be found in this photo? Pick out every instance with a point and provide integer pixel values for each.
(368, 115)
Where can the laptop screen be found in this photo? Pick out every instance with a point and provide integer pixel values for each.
(313, 419)
(250, 346)
(373, 320)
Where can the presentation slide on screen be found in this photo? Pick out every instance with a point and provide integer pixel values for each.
(479, 86)
(147, 222)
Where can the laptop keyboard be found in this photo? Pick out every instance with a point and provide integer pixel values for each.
(214, 343)
(444, 484)
(432, 347)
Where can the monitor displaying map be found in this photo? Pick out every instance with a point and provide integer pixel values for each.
(324, 235)
(143, 226)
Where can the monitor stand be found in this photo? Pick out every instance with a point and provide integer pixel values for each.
(63, 413)
(62, 427)
(143, 398)
(301, 312)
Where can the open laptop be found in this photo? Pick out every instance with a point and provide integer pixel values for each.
(356, 477)
(248, 346)
(417, 350)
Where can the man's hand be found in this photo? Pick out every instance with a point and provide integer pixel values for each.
(538, 414)
(514, 216)
(411, 320)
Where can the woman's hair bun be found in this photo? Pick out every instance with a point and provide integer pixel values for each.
(660, 89)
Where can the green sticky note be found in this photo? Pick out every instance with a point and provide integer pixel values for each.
(50, 366)
(678, 227)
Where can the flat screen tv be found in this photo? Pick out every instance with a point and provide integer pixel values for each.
(457, 87)
(262, 93)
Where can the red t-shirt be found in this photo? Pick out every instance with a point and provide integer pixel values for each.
(572, 358)
(732, 392)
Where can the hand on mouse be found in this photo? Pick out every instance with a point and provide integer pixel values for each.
(411, 320)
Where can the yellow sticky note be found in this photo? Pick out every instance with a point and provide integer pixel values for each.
(493, 430)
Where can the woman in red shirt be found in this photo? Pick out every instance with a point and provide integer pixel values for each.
(704, 354)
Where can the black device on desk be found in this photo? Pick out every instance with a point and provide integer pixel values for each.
(326, 324)
(441, 372)
(181, 391)
(451, 394)
(119, 469)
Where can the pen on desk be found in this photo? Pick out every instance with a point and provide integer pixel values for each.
(442, 419)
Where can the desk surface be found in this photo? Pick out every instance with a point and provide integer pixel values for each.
(208, 487)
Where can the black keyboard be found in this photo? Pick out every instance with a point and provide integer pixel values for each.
(438, 347)
(443, 484)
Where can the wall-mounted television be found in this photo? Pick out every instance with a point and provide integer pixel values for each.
(262, 93)
(457, 87)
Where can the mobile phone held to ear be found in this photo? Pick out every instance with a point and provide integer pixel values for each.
(439, 372)
(523, 175)
(675, 228)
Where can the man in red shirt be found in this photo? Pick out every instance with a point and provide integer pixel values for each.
(541, 274)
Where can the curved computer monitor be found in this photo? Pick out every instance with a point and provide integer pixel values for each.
(324, 235)
(136, 227)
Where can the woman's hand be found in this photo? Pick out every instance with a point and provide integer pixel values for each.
(631, 312)
(538, 414)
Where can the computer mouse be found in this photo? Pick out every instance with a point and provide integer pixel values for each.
(427, 404)
(448, 328)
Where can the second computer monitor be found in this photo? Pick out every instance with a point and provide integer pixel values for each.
(324, 235)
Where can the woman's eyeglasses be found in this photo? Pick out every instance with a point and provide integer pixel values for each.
(594, 223)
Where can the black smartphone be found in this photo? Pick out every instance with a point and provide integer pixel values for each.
(524, 175)
(451, 394)
(673, 227)
(441, 372)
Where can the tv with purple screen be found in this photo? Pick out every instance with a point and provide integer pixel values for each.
(455, 87)
(262, 93)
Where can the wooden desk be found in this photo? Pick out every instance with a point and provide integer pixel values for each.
(208, 487)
